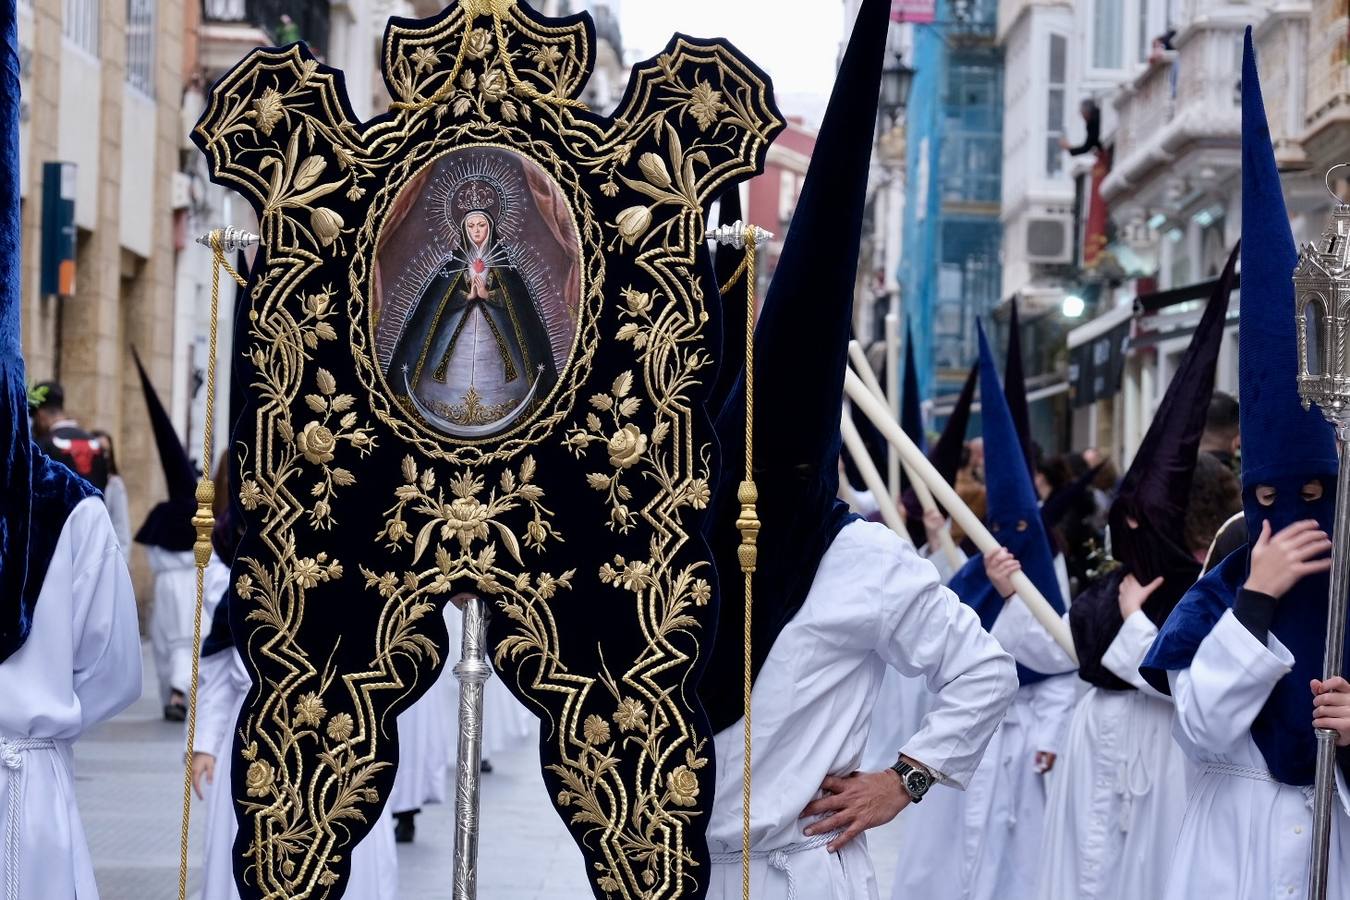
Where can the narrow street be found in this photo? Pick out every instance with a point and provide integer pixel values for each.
(129, 780)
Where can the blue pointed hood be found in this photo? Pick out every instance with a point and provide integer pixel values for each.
(1279, 437)
(801, 352)
(36, 493)
(1283, 446)
(1013, 513)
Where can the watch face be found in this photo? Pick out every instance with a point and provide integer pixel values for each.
(917, 782)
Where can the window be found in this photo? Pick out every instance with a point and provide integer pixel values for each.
(971, 153)
(80, 24)
(1108, 22)
(1054, 109)
(141, 45)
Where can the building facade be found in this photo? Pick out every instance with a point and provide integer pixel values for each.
(1174, 189)
(950, 271)
(101, 83)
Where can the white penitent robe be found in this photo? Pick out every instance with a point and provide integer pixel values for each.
(1116, 806)
(424, 748)
(986, 842)
(223, 685)
(80, 666)
(1244, 835)
(173, 618)
(874, 603)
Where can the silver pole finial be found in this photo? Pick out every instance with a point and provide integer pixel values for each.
(735, 235)
(232, 238)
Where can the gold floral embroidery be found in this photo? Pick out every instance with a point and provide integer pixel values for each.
(473, 516)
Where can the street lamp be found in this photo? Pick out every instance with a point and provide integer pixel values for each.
(896, 81)
(1073, 306)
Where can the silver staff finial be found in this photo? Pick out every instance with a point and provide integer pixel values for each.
(735, 235)
(232, 239)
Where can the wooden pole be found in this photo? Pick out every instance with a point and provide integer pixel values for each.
(921, 491)
(867, 403)
(890, 513)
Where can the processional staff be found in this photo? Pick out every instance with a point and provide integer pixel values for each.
(1321, 304)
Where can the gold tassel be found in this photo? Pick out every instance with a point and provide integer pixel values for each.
(748, 524)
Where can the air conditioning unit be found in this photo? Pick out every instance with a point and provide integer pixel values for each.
(1049, 240)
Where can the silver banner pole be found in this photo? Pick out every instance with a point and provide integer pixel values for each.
(1324, 796)
(473, 671)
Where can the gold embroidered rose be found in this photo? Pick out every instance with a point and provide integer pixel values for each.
(627, 446)
(638, 302)
(654, 169)
(633, 223)
(268, 110)
(494, 85)
(466, 518)
(478, 44)
(682, 784)
(309, 171)
(327, 225)
(259, 778)
(316, 443)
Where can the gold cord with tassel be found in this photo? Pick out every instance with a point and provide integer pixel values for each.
(204, 522)
(748, 524)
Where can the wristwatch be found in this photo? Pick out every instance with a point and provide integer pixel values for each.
(915, 779)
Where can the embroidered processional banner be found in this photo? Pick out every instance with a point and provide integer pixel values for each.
(479, 336)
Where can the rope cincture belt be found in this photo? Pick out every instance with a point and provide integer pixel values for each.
(1236, 771)
(11, 760)
(780, 858)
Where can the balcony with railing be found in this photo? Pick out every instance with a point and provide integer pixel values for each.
(232, 27)
(1181, 117)
(1327, 66)
(1281, 41)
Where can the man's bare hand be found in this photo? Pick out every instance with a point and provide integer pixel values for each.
(854, 804)
(203, 773)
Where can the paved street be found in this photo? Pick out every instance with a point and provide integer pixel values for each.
(129, 779)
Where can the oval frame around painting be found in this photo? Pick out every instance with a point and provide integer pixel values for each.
(560, 267)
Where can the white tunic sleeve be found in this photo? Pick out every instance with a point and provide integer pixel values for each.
(1127, 652)
(1029, 643)
(1052, 703)
(115, 496)
(107, 651)
(1228, 682)
(938, 557)
(927, 631)
(214, 702)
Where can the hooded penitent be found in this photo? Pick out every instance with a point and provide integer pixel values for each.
(36, 493)
(1283, 446)
(801, 351)
(1013, 514)
(1154, 494)
(169, 523)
